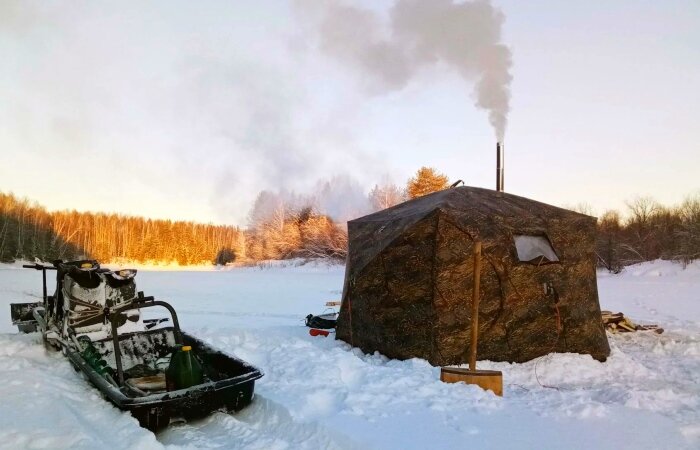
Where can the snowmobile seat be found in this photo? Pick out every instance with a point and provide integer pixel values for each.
(121, 288)
(86, 278)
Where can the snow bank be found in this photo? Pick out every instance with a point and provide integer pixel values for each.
(661, 268)
(46, 404)
(660, 292)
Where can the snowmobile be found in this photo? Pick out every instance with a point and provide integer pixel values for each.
(96, 318)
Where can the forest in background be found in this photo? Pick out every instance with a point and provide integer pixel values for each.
(283, 225)
(649, 231)
(29, 231)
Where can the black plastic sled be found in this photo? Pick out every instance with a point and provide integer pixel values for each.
(95, 317)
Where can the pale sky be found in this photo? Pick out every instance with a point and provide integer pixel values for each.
(186, 110)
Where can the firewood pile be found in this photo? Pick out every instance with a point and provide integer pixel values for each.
(618, 323)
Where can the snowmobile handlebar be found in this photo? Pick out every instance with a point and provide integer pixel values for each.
(38, 267)
(43, 268)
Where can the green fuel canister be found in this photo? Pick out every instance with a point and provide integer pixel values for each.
(184, 370)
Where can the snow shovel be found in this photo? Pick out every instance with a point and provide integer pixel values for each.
(486, 379)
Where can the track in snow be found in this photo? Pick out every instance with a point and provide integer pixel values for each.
(262, 425)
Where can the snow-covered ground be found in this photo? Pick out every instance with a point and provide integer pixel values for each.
(320, 393)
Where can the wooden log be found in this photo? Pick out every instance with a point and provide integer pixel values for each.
(626, 325)
(609, 317)
(655, 328)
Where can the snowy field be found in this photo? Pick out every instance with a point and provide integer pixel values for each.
(319, 393)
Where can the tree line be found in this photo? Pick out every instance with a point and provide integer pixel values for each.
(283, 225)
(29, 231)
(649, 231)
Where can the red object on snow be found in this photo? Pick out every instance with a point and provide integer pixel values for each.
(317, 332)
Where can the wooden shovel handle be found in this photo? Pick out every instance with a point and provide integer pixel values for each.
(475, 305)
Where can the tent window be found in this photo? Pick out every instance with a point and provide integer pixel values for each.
(534, 249)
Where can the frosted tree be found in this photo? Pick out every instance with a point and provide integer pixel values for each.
(385, 196)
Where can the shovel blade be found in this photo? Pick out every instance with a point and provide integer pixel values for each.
(488, 380)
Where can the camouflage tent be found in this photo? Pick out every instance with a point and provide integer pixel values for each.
(409, 275)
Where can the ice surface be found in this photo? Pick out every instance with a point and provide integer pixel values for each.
(320, 393)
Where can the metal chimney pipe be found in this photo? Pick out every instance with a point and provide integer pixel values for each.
(499, 166)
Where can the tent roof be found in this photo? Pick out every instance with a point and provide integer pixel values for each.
(464, 202)
(462, 199)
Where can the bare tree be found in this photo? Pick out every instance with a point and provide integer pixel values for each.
(385, 196)
(688, 234)
(639, 224)
(582, 207)
(608, 242)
